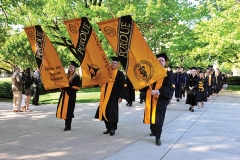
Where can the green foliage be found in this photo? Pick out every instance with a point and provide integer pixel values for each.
(220, 32)
(6, 89)
(16, 51)
(190, 34)
(233, 80)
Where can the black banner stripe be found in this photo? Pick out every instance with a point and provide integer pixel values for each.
(85, 31)
(125, 29)
(40, 42)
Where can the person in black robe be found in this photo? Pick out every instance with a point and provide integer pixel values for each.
(218, 82)
(201, 92)
(130, 93)
(112, 94)
(36, 87)
(208, 78)
(184, 82)
(191, 89)
(158, 96)
(178, 83)
(67, 100)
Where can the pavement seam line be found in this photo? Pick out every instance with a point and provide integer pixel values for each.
(188, 128)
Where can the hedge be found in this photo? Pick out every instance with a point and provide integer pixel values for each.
(6, 89)
(233, 80)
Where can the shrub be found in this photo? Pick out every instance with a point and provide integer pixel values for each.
(6, 89)
(233, 80)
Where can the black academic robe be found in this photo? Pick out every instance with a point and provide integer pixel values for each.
(117, 92)
(218, 83)
(66, 103)
(201, 90)
(166, 92)
(192, 82)
(130, 91)
(178, 84)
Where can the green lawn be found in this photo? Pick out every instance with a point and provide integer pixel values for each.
(233, 88)
(84, 95)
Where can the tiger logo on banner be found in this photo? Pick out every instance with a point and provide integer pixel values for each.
(50, 67)
(95, 66)
(140, 64)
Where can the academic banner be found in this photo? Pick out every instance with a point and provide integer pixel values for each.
(51, 69)
(140, 64)
(94, 62)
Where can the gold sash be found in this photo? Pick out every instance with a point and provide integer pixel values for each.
(151, 104)
(104, 97)
(209, 79)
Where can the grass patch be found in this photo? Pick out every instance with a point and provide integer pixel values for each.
(9, 79)
(84, 95)
(233, 88)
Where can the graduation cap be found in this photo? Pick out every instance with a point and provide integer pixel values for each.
(177, 67)
(201, 71)
(194, 68)
(73, 63)
(163, 55)
(113, 58)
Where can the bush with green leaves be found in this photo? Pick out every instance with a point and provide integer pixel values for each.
(6, 89)
(233, 80)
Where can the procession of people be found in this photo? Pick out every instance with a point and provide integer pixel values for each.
(194, 86)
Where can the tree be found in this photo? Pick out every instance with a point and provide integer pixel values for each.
(167, 25)
(220, 32)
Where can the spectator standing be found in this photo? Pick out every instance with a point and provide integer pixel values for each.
(36, 87)
(27, 88)
(17, 89)
(23, 91)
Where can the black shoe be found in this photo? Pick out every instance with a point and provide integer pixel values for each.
(127, 104)
(67, 128)
(192, 110)
(112, 132)
(141, 101)
(37, 104)
(106, 132)
(177, 100)
(151, 134)
(130, 105)
(158, 141)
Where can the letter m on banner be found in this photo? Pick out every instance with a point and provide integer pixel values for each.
(140, 64)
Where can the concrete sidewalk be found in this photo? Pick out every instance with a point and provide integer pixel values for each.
(209, 133)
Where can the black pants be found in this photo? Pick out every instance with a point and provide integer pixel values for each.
(142, 96)
(68, 122)
(160, 116)
(110, 125)
(35, 99)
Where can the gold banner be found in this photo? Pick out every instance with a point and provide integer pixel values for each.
(94, 62)
(51, 69)
(140, 64)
